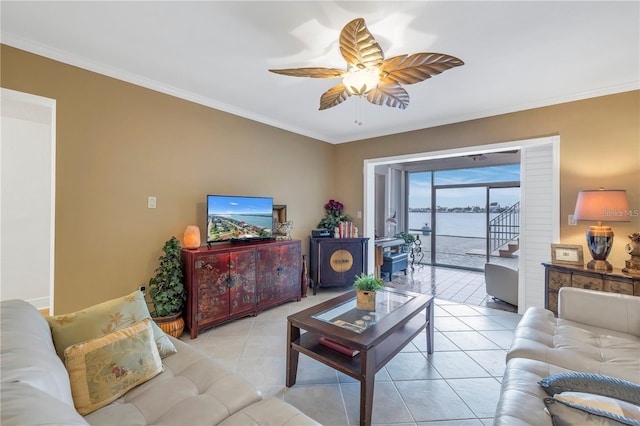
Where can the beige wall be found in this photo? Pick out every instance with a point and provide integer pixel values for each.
(119, 143)
(599, 147)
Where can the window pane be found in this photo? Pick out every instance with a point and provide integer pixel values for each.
(419, 200)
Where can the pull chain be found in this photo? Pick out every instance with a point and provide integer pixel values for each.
(358, 111)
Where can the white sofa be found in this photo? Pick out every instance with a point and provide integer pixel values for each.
(193, 389)
(595, 332)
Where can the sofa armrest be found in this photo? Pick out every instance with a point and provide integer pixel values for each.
(613, 311)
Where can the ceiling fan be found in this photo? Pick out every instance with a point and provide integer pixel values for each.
(476, 157)
(368, 73)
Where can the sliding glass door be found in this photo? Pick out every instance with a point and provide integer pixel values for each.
(465, 218)
(503, 232)
(460, 227)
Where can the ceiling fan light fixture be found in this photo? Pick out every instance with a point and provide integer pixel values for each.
(369, 73)
(361, 81)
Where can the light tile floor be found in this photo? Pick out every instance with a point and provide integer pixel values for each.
(455, 285)
(458, 384)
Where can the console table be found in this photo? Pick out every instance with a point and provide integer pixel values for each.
(385, 244)
(558, 276)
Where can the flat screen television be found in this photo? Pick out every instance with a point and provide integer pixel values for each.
(237, 218)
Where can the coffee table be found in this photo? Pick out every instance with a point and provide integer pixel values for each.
(378, 336)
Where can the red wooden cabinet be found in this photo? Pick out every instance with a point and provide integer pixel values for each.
(279, 273)
(229, 281)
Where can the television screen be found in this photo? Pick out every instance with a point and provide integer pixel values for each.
(231, 218)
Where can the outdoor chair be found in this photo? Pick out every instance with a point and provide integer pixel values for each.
(501, 282)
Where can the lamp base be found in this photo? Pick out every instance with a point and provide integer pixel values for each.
(599, 265)
(599, 242)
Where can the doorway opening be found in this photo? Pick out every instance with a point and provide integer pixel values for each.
(539, 198)
(466, 217)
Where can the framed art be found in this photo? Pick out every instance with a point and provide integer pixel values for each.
(567, 254)
(279, 213)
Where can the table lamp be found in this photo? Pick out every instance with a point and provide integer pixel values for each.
(191, 239)
(601, 206)
(392, 221)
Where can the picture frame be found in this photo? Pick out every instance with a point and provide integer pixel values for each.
(279, 214)
(567, 254)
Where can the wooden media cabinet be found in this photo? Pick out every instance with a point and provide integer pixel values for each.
(233, 280)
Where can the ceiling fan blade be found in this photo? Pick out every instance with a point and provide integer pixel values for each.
(390, 95)
(314, 72)
(418, 67)
(334, 96)
(358, 47)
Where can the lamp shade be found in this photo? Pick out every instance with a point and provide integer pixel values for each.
(602, 205)
(191, 239)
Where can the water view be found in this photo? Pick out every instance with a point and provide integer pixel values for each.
(472, 225)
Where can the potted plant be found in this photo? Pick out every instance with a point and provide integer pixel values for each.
(333, 215)
(366, 287)
(408, 238)
(167, 292)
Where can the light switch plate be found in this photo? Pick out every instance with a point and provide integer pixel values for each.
(151, 202)
(572, 221)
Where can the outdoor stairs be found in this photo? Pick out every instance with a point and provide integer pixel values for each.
(509, 249)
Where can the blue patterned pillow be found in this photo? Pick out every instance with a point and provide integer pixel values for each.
(566, 408)
(598, 384)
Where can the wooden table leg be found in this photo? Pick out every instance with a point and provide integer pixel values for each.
(378, 260)
(293, 334)
(366, 388)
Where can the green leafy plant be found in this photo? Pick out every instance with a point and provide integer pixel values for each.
(408, 238)
(166, 289)
(368, 283)
(333, 215)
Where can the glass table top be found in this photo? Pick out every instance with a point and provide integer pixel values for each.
(345, 315)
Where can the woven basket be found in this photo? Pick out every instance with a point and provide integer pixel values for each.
(173, 325)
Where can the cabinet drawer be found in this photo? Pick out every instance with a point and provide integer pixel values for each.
(586, 281)
(559, 279)
(614, 286)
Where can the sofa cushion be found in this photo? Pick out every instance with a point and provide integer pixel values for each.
(27, 353)
(581, 305)
(192, 389)
(23, 404)
(521, 397)
(271, 411)
(105, 368)
(576, 346)
(104, 318)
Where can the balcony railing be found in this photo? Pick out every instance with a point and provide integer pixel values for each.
(504, 228)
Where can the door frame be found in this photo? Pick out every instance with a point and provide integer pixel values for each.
(532, 296)
(40, 111)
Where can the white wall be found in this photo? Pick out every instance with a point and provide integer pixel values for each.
(27, 198)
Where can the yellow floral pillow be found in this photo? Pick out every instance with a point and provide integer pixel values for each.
(105, 368)
(102, 319)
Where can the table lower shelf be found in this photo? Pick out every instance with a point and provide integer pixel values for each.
(309, 345)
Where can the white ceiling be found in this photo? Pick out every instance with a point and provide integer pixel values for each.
(517, 54)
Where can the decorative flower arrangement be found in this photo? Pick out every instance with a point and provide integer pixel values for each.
(334, 215)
